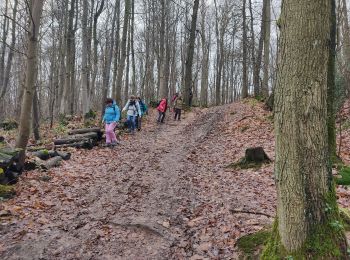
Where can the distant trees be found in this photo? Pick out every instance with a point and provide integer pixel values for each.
(89, 50)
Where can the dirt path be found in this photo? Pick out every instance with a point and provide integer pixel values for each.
(165, 193)
(126, 203)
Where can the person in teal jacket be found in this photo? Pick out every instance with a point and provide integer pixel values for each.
(110, 118)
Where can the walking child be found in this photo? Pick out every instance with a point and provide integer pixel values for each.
(162, 107)
(110, 119)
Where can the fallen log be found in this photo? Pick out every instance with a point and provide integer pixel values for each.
(84, 131)
(38, 148)
(76, 138)
(65, 156)
(84, 145)
(96, 130)
(42, 154)
(50, 163)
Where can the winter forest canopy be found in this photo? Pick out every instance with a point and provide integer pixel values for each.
(82, 46)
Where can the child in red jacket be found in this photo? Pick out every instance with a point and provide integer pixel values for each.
(162, 107)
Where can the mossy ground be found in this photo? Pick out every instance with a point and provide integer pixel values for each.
(326, 241)
(7, 191)
(251, 244)
(245, 164)
(344, 172)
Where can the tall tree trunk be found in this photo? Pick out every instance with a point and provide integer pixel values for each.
(3, 47)
(119, 80)
(133, 64)
(127, 70)
(257, 67)
(116, 59)
(85, 70)
(65, 101)
(346, 40)
(218, 58)
(244, 46)
(31, 73)
(95, 46)
(108, 57)
(307, 211)
(267, 27)
(36, 116)
(6, 78)
(190, 53)
(63, 34)
(163, 91)
(252, 40)
(205, 61)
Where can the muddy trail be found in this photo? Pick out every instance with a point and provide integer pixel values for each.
(165, 193)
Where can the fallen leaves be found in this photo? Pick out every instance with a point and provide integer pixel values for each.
(171, 179)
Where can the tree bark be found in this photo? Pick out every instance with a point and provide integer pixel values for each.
(121, 66)
(267, 29)
(190, 53)
(69, 68)
(36, 116)
(109, 55)
(244, 46)
(31, 73)
(7, 72)
(307, 210)
(3, 47)
(205, 61)
(84, 59)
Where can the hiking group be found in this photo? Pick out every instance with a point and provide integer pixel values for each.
(135, 109)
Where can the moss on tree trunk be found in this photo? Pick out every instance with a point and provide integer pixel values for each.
(324, 241)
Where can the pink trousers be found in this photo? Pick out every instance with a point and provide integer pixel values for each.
(110, 135)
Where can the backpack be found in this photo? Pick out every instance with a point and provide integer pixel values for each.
(132, 106)
(115, 111)
(143, 107)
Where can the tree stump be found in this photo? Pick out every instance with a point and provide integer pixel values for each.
(254, 158)
(256, 155)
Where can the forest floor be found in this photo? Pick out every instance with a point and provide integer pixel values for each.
(165, 193)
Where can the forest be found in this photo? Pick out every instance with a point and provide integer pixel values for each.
(174, 129)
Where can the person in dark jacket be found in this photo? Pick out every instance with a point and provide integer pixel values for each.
(178, 107)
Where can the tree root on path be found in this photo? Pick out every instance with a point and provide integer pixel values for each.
(144, 227)
(234, 211)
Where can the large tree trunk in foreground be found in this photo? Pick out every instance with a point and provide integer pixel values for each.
(31, 73)
(307, 212)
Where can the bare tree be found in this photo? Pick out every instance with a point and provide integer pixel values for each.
(189, 59)
(31, 73)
